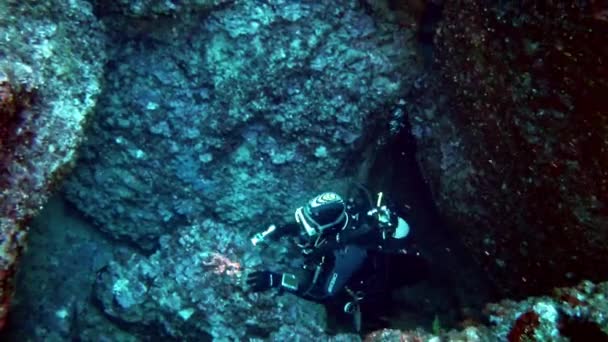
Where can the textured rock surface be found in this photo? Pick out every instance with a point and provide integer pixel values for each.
(51, 57)
(190, 289)
(570, 314)
(155, 8)
(240, 114)
(516, 153)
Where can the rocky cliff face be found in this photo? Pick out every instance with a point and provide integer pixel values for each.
(219, 117)
(515, 149)
(238, 114)
(215, 122)
(51, 59)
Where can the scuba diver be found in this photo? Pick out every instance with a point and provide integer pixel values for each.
(352, 259)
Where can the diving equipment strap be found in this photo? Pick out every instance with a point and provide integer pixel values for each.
(315, 277)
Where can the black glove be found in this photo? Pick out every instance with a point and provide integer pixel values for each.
(259, 281)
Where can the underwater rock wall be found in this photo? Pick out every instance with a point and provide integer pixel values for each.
(516, 154)
(239, 114)
(569, 314)
(155, 8)
(51, 60)
(213, 123)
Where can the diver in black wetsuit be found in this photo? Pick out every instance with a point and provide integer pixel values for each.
(352, 261)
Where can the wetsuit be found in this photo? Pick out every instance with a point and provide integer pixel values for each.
(358, 259)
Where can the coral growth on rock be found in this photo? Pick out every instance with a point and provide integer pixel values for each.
(191, 288)
(51, 61)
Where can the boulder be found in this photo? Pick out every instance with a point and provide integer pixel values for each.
(239, 114)
(511, 133)
(51, 60)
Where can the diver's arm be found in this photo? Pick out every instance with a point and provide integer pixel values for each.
(372, 233)
(288, 229)
(359, 234)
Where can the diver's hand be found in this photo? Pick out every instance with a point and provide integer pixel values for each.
(261, 236)
(259, 281)
(382, 214)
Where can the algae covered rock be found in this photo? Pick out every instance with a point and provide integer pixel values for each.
(238, 114)
(51, 58)
(191, 289)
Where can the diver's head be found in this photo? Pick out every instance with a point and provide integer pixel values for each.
(326, 213)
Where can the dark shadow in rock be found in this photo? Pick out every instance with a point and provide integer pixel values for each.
(457, 288)
(579, 331)
(54, 282)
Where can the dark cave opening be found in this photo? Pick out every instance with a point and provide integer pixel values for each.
(457, 288)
